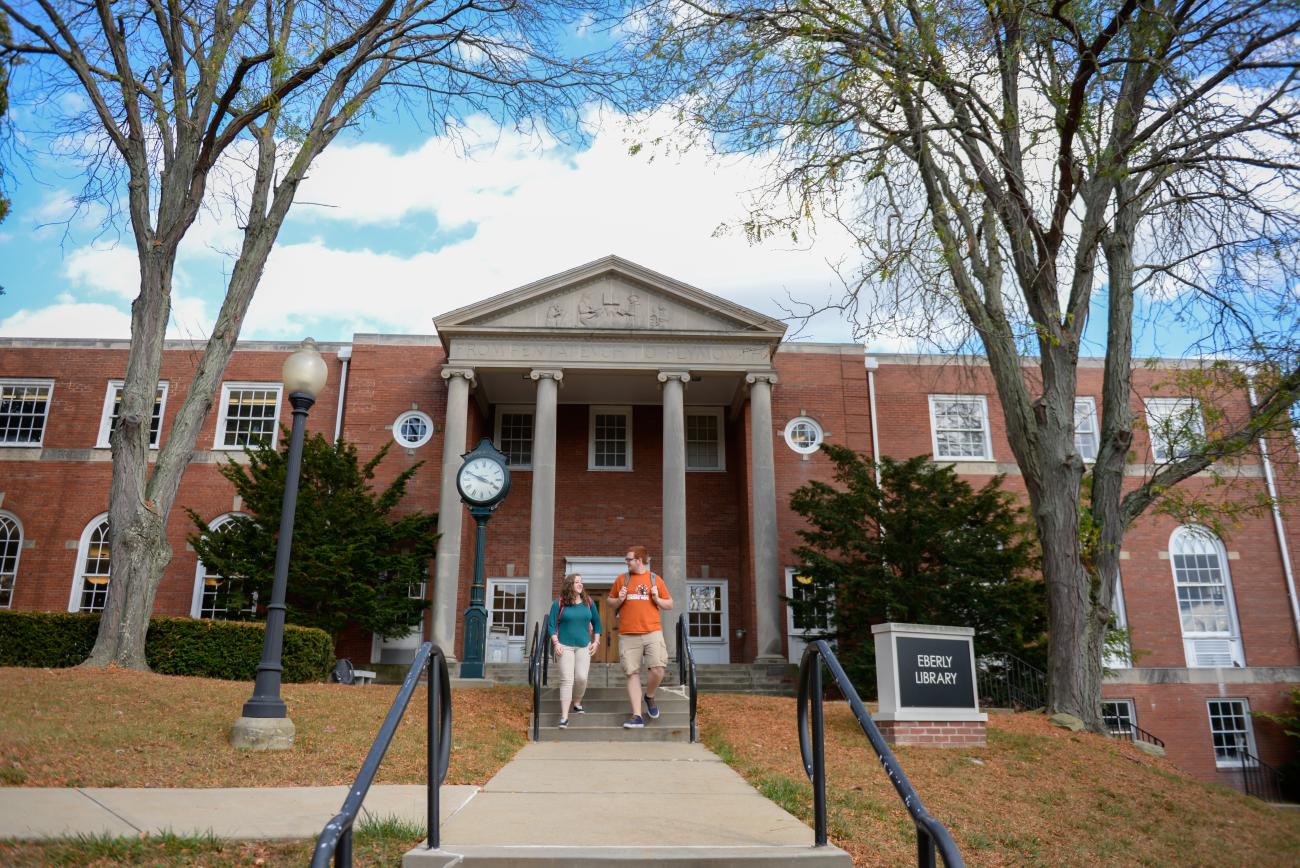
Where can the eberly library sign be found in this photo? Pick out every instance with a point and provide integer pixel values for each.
(925, 678)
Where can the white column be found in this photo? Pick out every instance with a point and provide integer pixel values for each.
(541, 534)
(450, 510)
(672, 560)
(767, 568)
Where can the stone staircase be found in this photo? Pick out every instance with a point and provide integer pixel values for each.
(760, 678)
(607, 708)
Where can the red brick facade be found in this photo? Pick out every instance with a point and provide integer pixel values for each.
(945, 733)
(55, 489)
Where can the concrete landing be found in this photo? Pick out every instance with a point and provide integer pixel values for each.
(558, 804)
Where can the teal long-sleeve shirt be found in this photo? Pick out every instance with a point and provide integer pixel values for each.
(575, 623)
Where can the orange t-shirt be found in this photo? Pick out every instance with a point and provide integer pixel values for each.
(639, 614)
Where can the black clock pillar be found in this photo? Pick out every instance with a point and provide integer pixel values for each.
(483, 481)
(471, 665)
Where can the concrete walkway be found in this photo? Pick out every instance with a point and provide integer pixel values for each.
(253, 814)
(554, 804)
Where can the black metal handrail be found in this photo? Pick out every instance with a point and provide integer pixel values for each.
(1133, 732)
(539, 670)
(1006, 681)
(930, 833)
(336, 838)
(686, 668)
(1258, 778)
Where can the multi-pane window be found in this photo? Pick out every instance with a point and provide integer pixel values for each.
(1085, 428)
(1117, 715)
(112, 406)
(24, 404)
(509, 607)
(93, 568)
(515, 436)
(222, 598)
(1198, 576)
(1204, 593)
(11, 546)
(960, 427)
(413, 429)
(803, 435)
(704, 440)
(1234, 742)
(1176, 427)
(705, 611)
(249, 414)
(810, 606)
(610, 446)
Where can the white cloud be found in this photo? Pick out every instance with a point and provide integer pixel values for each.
(68, 320)
(516, 210)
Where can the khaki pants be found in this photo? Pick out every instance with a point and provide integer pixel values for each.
(575, 664)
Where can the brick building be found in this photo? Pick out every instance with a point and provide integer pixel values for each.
(637, 409)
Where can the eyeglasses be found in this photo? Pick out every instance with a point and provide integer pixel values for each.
(631, 559)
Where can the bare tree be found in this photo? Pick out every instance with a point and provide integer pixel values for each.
(179, 90)
(1011, 171)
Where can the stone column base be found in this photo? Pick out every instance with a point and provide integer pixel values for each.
(934, 733)
(262, 733)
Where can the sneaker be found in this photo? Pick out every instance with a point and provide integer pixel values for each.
(634, 722)
(563, 724)
(578, 709)
(650, 707)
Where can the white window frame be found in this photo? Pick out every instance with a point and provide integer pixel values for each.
(1225, 763)
(83, 549)
(201, 570)
(983, 402)
(788, 434)
(607, 410)
(721, 463)
(412, 414)
(12, 576)
(515, 652)
(110, 404)
(226, 389)
(1191, 639)
(45, 419)
(1160, 409)
(1089, 406)
(1121, 621)
(794, 636)
(517, 409)
(1132, 713)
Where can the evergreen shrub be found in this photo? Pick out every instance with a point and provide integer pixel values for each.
(174, 646)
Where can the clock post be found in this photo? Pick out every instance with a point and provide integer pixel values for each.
(483, 481)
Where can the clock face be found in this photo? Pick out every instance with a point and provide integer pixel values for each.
(482, 479)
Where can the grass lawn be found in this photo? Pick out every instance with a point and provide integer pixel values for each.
(116, 728)
(1037, 795)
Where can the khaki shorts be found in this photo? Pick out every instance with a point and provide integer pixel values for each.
(632, 648)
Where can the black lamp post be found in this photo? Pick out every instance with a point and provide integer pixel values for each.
(264, 723)
(483, 481)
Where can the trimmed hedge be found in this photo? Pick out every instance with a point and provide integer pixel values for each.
(173, 646)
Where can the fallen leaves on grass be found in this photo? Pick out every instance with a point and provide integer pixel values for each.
(119, 728)
(1037, 795)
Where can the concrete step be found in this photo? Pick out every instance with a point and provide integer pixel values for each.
(488, 856)
(653, 731)
(614, 694)
(597, 706)
(616, 718)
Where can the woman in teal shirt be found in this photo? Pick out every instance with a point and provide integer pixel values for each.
(575, 635)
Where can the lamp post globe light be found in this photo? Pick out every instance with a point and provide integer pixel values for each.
(264, 723)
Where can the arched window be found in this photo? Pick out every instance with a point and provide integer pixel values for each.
(1205, 603)
(11, 546)
(214, 596)
(90, 583)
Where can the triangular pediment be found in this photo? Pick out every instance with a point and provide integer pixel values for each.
(609, 294)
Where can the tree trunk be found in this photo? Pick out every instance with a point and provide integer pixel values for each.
(138, 545)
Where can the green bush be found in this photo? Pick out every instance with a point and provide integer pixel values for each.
(174, 646)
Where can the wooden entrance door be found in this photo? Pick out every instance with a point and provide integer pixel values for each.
(608, 651)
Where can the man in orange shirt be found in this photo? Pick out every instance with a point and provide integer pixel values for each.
(636, 597)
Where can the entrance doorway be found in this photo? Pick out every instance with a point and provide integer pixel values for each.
(608, 650)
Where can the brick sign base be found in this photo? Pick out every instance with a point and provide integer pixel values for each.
(934, 733)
